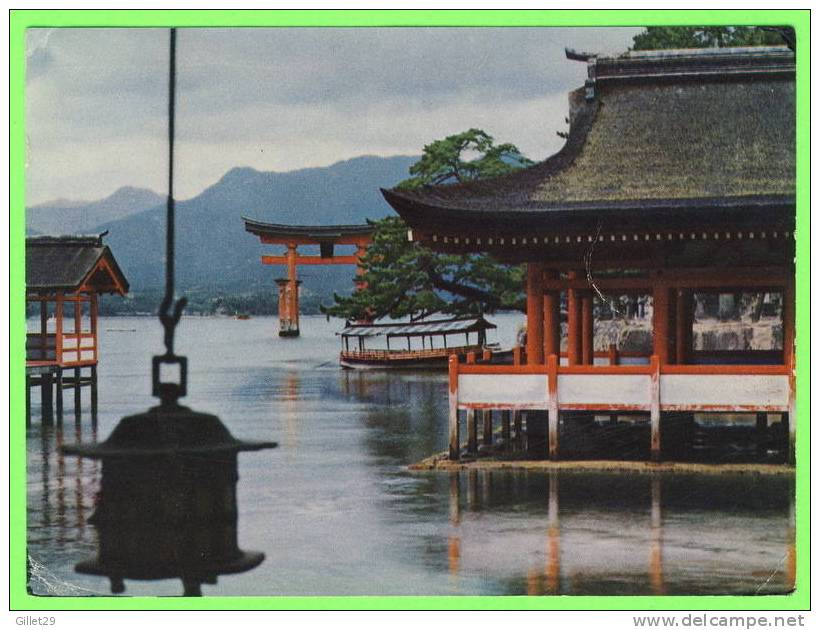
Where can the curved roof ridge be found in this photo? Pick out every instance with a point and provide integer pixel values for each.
(261, 227)
(519, 181)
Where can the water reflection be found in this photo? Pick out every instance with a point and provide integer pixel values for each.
(622, 534)
(338, 512)
(61, 508)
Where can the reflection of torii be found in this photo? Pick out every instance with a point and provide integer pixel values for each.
(326, 237)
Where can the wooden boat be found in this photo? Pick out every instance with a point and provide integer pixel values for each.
(433, 335)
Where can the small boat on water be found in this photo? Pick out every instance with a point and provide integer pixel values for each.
(424, 345)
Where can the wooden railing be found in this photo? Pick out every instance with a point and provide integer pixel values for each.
(650, 388)
(68, 349)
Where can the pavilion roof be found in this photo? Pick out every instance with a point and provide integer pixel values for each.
(705, 135)
(317, 232)
(417, 329)
(72, 263)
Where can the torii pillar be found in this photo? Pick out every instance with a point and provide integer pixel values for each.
(292, 236)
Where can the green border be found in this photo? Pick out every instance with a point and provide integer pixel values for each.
(20, 20)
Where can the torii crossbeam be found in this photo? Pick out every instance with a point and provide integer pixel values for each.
(326, 237)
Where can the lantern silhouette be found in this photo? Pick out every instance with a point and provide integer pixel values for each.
(167, 503)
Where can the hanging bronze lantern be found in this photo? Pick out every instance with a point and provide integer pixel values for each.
(167, 504)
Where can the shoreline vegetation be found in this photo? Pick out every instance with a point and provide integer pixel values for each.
(206, 302)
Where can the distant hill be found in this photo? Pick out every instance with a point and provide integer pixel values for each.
(213, 249)
(64, 216)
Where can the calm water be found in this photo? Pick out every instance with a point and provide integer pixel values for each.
(336, 512)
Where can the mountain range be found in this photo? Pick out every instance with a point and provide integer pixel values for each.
(65, 216)
(213, 250)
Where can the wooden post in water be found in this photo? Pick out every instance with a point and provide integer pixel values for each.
(455, 447)
(58, 386)
(762, 433)
(78, 397)
(93, 395)
(472, 432)
(487, 436)
(505, 428)
(45, 397)
(519, 432)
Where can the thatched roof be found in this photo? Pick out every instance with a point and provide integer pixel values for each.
(706, 134)
(72, 263)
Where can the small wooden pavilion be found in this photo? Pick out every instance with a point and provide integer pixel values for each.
(677, 177)
(327, 237)
(64, 277)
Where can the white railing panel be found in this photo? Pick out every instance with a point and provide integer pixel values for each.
(524, 390)
(620, 390)
(725, 391)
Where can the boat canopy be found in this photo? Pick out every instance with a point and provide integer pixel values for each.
(418, 329)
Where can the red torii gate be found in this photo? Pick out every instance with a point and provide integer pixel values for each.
(326, 237)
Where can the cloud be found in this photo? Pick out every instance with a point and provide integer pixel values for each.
(279, 99)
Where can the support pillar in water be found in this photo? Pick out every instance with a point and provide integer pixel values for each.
(487, 433)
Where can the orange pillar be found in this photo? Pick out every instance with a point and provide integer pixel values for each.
(660, 323)
(535, 314)
(289, 324)
(58, 331)
(93, 311)
(552, 319)
(587, 329)
(573, 324)
(683, 325)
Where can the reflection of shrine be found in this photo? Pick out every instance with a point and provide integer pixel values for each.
(61, 504)
(627, 518)
(656, 540)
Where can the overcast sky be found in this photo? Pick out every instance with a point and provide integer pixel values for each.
(281, 99)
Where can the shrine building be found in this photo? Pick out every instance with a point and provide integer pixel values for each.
(677, 179)
(65, 276)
